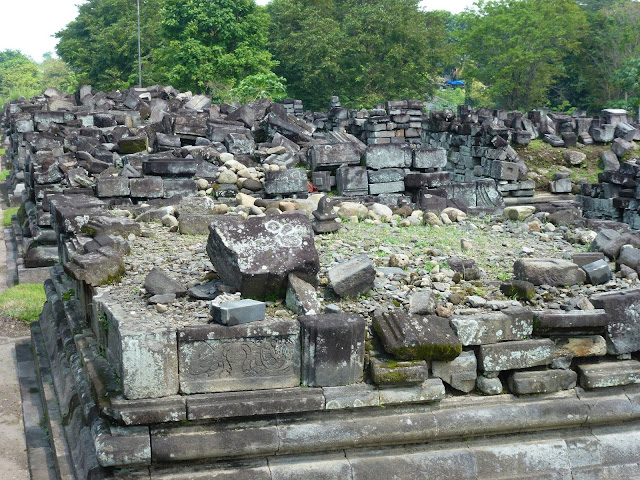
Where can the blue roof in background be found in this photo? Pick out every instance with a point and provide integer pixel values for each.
(455, 83)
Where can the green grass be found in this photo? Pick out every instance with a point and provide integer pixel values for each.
(4, 174)
(6, 216)
(23, 302)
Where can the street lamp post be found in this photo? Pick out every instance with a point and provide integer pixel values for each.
(139, 56)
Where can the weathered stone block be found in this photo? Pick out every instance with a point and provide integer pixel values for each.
(178, 167)
(388, 156)
(238, 312)
(417, 180)
(574, 321)
(515, 355)
(352, 181)
(504, 170)
(391, 187)
(301, 297)
(112, 187)
(147, 187)
(621, 146)
(256, 256)
(332, 349)
(586, 346)
(251, 356)
(483, 328)
(609, 374)
(623, 329)
(424, 158)
(398, 373)
(460, 373)
(414, 337)
(282, 182)
(353, 277)
(186, 187)
(549, 271)
(330, 157)
(598, 272)
(351, 396)
(544, 381)
(429, 391)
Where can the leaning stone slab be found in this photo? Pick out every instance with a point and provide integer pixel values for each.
(254, 402)
(548, 271)
(609, 374)
(353, 277)
(251, 356)
(414, 337)
(514, 323)
(543, 381)
(515, 355)
(460, 373)
(238, 312)
(571, 322)
(256, 256)
(301, 297)
(332, 349)
(623, 328)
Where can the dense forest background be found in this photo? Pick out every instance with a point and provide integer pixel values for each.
(513, 54)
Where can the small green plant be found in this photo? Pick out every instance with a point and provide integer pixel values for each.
(503, 276)
(4, 174)
(23, 302)
(7, 214)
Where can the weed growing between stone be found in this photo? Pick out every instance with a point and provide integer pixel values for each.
(6, 216)
(23, 302)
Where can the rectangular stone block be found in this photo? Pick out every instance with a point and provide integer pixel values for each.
(431, 390)
(351, 181)
(330, 157)
(609, 374)
(252, 356)
(416, 180)
(391, 187)
(574, 321)
(351, 396)
(504, 170)
(424, 158)
(112, 187)
(388, 156)
(544, 381)
(322, 181)
(460, 373)
(623, 328)
(178, 167)
(581, 346)
(332, 349)
(283, 182)
(515, 355)
(186, 187)
(238, 312)
(484, 328)
(255, 402)
(386, 175)
(147, 187)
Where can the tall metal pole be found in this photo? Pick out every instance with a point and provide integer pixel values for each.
(139, 56)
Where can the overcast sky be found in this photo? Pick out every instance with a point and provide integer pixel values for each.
(28, 25)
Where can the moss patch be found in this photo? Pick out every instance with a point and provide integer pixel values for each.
(7, 214)
(23, 302)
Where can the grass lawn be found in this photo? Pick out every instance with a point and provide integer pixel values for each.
(23, 302)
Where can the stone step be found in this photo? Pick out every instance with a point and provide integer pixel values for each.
(609, 374)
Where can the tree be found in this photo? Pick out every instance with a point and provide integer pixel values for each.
(219, 42)
(364, 51)
(55, 73)
(101, 44)
(19, 76)
(517, 47)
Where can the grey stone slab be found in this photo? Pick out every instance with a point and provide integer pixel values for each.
(238, 312)
(251, 356)
(381, 188)
(149, 410)
(351, 181)
(386, 175)
(301, 297)
(598, 272)
(460, 373)
(330, 157)
(385, 373)
(353, 277)
(427, 158)
(548, 271)
(415, 337)
(324, 466)
(332, 349)
(358, 395)
(544, 381)
(623, 328)
(256, 256)
(574, 321)
(388, 156)
(431, 390)
(254, 402)
(284, 182)
(515, 355)
(147, 187)
(492, 327)
(609, 374)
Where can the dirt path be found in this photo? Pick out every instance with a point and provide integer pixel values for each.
(13, 449)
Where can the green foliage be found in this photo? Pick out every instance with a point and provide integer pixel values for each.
(260, 85)
(221, 42)
(55, 73)
(19, 76)
(6, 215)
(101, 44)
(517, 47)
(23, 302)
(448, 98)
(4, 173)
(365, 52)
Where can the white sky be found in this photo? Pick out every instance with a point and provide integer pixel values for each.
(29, 25)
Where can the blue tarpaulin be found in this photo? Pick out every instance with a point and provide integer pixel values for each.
(455, 83)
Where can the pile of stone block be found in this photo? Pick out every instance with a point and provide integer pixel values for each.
(616, 196)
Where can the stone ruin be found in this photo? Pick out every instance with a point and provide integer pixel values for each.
(150, 374)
